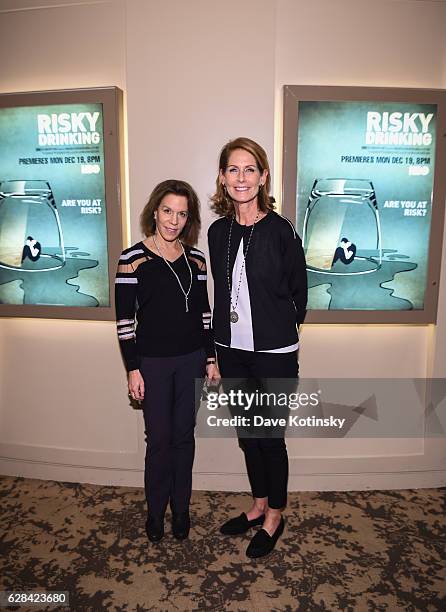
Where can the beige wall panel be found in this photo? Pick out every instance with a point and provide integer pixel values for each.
(437, 357)
(366, 351)
(62, 387)
(377, 43)
(61, 47)
(198, 73)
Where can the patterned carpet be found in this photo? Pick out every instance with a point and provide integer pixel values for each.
(373, 550)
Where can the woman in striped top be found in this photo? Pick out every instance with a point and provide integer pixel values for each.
(161, 282)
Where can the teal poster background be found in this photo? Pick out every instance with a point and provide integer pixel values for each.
(364, 202)
(53, 232)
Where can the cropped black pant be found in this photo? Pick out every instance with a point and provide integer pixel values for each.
(266, 457)
(169, 416)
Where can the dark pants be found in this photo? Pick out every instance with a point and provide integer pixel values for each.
(266, 458)
(169, 416)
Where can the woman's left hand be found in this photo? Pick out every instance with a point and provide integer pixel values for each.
(212, 372)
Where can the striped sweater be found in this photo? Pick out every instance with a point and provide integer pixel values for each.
(151, 314)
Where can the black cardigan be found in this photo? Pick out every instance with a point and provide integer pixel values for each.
(276, 274)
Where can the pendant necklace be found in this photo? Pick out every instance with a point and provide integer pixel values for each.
(233, 316)
(185, 293)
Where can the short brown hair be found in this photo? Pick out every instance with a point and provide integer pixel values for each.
(191, 230)
(222, 204)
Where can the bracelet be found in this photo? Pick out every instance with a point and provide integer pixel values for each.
(210, 360)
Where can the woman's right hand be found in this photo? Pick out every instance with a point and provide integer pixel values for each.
(213, 373)
(136, 385)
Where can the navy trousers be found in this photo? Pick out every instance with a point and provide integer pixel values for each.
(169, 416)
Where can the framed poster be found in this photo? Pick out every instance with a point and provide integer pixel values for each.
(60, 202)
(363, 180)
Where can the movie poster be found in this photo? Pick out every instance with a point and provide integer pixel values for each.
(364, 202)
(53, 231)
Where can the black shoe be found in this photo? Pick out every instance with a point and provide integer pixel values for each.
(262, 543)
(180, 525)
(240, 524)
(155, 528)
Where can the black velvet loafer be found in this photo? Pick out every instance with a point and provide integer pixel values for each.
(155, 528)
(240, 524)
(262, 543)
(180, 525)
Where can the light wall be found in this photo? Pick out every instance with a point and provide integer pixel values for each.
(196, 74)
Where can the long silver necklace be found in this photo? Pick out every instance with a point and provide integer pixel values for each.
(233, 312)
(185, 293)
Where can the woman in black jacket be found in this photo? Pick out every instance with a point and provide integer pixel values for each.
(260, 298)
